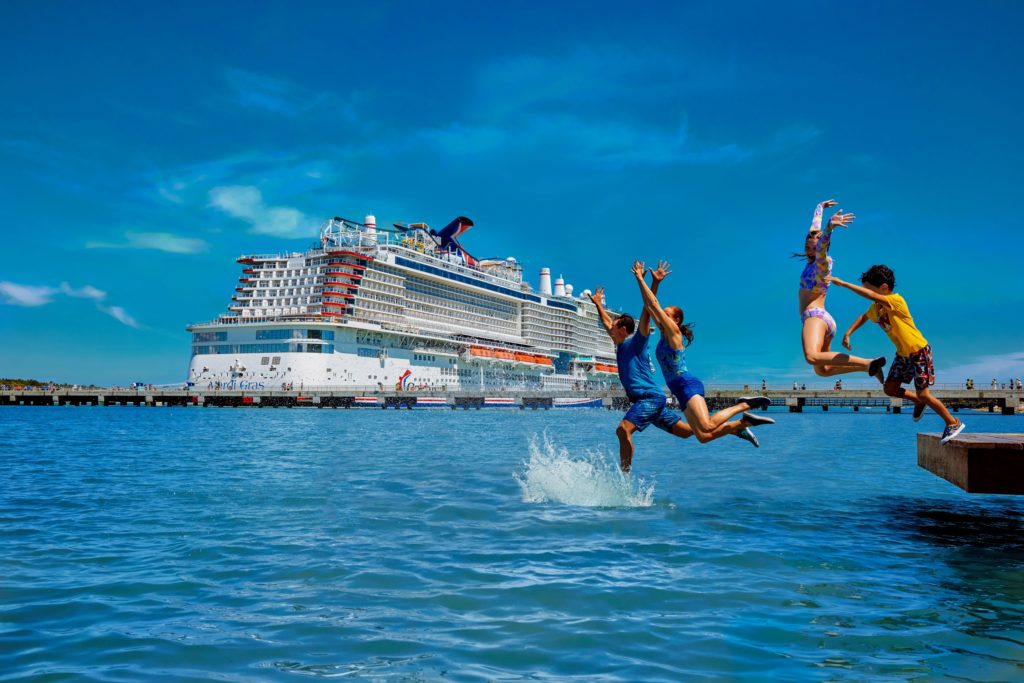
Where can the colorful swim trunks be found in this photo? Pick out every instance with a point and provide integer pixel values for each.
(918, 367)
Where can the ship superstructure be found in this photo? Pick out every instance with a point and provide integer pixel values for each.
(404, 309)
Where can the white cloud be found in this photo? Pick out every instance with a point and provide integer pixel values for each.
(245, 202)
(41, 295)
(120, 315)
(160, 241)
(983, 368)
(26, 295)
(86, 292)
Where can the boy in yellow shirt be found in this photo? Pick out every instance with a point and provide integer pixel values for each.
(913, 353)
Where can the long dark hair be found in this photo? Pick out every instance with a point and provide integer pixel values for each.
(686, 329)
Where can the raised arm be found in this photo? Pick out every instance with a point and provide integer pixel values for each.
(667, 325)
(606, 320)
(644, 326)
(863, 291)
(816, 220)
(825, 239)
(854, 326)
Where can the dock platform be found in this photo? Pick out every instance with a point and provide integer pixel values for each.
(1007, 402)
(977, 463)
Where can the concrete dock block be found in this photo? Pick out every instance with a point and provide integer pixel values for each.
(977, 463)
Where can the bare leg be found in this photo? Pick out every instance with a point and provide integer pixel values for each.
(625, 433)
(921, 397)
(926, 397)
(682, 430)
(705, 426)
(825, 362)
(723, 415)
(896, 391)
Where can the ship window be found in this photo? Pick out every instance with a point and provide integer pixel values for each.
(265, 360)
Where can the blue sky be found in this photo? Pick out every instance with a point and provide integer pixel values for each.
(144, 147)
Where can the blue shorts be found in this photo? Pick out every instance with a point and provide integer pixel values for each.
(684, 387)
(651, 410)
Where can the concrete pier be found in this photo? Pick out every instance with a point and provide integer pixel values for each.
(1007, 402)
(977, 463)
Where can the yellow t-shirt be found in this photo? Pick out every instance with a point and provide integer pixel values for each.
(894, 318)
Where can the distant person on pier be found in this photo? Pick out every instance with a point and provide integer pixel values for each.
(687, 389)
(913, 360)
(819, 328)
(637, 378)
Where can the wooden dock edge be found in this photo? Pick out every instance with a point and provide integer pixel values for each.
(977, 463)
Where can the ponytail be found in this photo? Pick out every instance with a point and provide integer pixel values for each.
(687, 331)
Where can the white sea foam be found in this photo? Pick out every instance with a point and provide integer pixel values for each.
(553, 474)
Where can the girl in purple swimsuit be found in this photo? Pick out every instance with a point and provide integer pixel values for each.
(819, 329)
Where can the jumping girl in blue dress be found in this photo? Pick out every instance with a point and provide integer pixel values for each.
(687, 389)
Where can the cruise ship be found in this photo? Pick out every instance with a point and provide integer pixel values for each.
(406, 309)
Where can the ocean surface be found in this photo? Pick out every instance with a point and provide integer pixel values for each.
(180, 544)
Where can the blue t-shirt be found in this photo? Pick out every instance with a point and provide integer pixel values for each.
(672, 361)
(635, 370)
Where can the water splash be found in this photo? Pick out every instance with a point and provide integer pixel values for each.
(552, 474)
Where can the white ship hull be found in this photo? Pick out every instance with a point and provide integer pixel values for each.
(362, 358)
(361, 312)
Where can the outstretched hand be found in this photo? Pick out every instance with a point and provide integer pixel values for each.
(846, 342)
(598, 295)
(639, 269)
(835, 281)
(828, 203)
(661, 272)
(841, 220)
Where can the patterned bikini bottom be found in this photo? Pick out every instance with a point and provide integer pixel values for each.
(824, 315)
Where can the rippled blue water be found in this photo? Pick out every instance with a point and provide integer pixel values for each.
(246, 545)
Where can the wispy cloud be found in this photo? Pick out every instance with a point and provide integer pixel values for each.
(568, 136)
(261, 92)
(245, 202)
(283, 97)
(26, 295)
(585, 77)
(982, 369)
(160, 241)
(120, 315)
(279, 173)
(568, 107)
(172, 193)
(41, 295)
